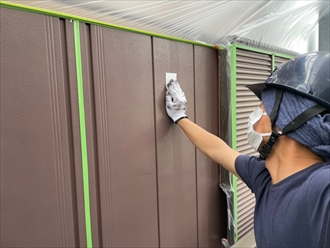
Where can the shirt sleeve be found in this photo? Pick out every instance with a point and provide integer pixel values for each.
(318, 205)
(252, 171)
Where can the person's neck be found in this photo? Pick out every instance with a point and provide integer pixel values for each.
(289, 157)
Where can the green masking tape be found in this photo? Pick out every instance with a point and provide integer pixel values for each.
(83, 139)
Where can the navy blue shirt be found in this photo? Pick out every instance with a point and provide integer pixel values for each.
(292, 213)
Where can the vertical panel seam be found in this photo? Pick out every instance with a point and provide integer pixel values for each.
(73, 177)
(51, 53)
(82, 133)
(195, 119)
(155, 132)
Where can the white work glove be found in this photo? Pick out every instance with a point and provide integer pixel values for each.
(176, 102)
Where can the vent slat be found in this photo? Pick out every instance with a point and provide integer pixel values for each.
(251, 68)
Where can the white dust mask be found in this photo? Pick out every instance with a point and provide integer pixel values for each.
(254, 138)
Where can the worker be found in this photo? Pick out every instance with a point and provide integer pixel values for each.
(291, 130)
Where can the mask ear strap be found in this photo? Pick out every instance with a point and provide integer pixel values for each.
(266, 148)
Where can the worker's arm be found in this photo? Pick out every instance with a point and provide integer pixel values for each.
(207, 143)
(210, 145)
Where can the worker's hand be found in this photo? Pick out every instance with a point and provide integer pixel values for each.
(176, 102)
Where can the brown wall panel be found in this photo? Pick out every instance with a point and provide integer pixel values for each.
(210, 219)
(37, 170)
(148, 185)
(122, 69)
(175, 153)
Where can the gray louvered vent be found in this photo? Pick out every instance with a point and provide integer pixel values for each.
(251, 67)
(279, 60)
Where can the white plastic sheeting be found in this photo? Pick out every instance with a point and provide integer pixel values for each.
(289, 25)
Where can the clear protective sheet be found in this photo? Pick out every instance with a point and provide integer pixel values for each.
(287, 27)
(290, 25)
(225, 134)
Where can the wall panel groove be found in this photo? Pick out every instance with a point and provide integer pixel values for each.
(55, 113)
(196, 151)
(156, 138)
(68, 71)
(104, 151)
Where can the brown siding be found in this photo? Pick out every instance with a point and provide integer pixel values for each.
(37, 170)
(210, 217)
(122, 69)
(175, 153)
(148, 185)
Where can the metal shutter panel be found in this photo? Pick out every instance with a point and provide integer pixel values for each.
(251, 68)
